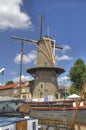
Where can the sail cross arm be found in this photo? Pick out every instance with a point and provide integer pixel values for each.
(22, 39)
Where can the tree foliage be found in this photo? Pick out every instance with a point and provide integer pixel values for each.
(9, 82)
(77, 76)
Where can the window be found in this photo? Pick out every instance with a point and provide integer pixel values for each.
(34, 125)
(41, 85)
(24, 96)
(45, 64)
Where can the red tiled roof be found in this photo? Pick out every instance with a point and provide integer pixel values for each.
(7, 86)
(10, 86)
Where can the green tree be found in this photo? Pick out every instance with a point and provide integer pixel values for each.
(9, 82)
(77, 76)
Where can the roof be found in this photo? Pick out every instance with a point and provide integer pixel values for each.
(5, 121)
(10, 86)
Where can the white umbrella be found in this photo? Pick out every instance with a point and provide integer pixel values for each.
(74, 96)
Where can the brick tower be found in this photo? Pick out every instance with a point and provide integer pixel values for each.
(45, 73)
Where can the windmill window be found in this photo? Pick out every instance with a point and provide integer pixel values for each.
(41, 85)
(45, 64)
(41, 93)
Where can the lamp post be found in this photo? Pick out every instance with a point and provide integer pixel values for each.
(2, 73)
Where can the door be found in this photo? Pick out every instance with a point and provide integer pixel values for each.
(22, 125)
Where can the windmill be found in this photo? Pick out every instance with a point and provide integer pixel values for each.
(45, 73)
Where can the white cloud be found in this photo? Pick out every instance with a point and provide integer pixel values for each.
(66, 48)
(64, 57)
(18, 59)
(64, 81)
(11, 15)
(26, 58)
(23, 79)
(32, 56)
(64, 78)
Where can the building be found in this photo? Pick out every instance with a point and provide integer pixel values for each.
(13, 90)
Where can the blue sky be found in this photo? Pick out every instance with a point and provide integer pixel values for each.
(66, 20)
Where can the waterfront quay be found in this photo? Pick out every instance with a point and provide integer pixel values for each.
(48, 124)
(53, 121)
(54, 124)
